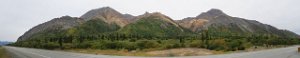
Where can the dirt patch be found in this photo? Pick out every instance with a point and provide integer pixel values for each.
(150, 53)
(181, 52)
(3, 53)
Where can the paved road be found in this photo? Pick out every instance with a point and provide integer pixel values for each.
(17, 52)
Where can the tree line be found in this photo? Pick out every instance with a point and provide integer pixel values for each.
(224, 41)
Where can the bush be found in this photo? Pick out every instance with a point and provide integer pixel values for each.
(233, 45)
(144, 44)
(85, 44)
(171, 43)
(238, 44)
(67, 46)
(129, 45)
(217, 44)
(110, 45)
(51, 45)
(195, 43)
(99, 44)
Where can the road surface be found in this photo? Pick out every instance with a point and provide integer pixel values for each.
(17, 52)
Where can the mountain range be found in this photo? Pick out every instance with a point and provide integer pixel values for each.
(4, 43)
(108, 20)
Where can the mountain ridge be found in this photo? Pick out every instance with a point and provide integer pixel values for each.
(64, 22)
(214, 18)
(107, 14)
(155, 24)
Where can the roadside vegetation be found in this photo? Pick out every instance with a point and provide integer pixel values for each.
(3, 53)
(123, 44)
(131, 42)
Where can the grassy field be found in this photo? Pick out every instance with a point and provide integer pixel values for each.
(3, 53)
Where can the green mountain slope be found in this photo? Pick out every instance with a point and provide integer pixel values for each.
(96, 26)
(152, 26)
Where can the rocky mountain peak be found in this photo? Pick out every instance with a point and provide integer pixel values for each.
(159, 15)
(107, 14)
(146, 13)
(156, 14)
(212, 13)
(107, 8)
(66, 17)
(152, 14)
(215, 12)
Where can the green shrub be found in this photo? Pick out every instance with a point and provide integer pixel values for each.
(195, 44)
(85, 44)
(51, 45)
(171, 43)
(217, 44)
(144, 44)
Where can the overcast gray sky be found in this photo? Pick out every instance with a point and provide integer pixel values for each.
(18, 16)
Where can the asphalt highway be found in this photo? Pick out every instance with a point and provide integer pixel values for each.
(18, 52)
